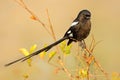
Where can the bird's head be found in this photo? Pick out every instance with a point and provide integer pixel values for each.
(84, 15)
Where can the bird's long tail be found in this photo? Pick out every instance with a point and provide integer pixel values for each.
(39, 51)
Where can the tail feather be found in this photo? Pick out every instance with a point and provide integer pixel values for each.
(39, 51)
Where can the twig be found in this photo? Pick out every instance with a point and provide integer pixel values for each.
(92, 42)
(21, 3)
(51, 27)
(65, 69)
(99, 66)
(90, 50)
(59, 58)
(88, 73)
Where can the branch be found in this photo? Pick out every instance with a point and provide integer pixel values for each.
(34, 16)
(65, 69)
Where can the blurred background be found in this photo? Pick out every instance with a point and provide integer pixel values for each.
(18, 30)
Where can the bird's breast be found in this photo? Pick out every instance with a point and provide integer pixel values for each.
(83, 30)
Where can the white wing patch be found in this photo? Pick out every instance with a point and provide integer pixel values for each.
(74, 23)
(69, 32)
(71, 35)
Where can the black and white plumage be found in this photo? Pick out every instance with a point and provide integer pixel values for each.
(80, 27)
(78, 31)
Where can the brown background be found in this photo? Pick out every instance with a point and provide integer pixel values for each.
(17, 30)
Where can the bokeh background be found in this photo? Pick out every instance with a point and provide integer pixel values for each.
(17, 30)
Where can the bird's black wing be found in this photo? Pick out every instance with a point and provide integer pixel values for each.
(71, 32)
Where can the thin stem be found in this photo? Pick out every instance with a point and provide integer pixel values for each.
(51, 27)
(59, 59)
(21, 3)
(99, 66)
(65, 69)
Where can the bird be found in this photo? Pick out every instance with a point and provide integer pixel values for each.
(78, 31)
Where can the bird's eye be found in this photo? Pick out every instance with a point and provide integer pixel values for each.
(87, 15)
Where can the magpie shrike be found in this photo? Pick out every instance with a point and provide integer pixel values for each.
(78, 31)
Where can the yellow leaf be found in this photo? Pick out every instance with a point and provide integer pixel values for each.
(115, 76)
(29, 62)
(42, 54)
(67, 49)
(51, 55)
(83, 73)
(62, 45)
(25, 76)
(32, 49)
(24, 51)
